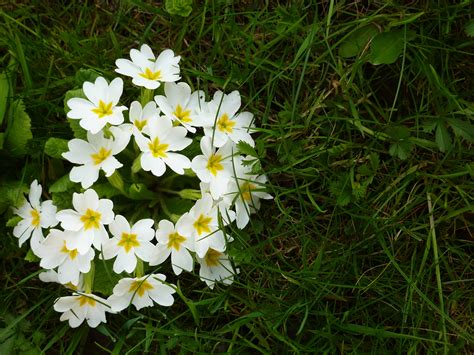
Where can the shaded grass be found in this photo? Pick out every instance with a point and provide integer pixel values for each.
(389, 271)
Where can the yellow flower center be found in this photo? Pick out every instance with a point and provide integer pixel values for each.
(71, 253)
(214, 164)
(140, 124)
(36, 218)
(150, 74)
(202, 224)
(224, 124)
(184, 116)
(175, 240)
(212, 257)
(103, 109)
(246, 191)
(101, 155)
(83, 300)
(158, 150)
(91, 219)
(128, 241)
(140, 287)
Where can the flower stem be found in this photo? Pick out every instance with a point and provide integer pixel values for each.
(146, 96)
(139, 272)
(89, 279)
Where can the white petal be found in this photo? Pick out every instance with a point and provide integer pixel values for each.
(177, 162)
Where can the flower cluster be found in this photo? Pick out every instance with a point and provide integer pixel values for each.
(158, 131)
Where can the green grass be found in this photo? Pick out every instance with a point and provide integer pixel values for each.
(360, 251)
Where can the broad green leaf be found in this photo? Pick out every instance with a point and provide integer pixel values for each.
(357, 40)
(106, 190)
(246, 149)
(12, 222)
(11, 194)
(62, 200)
(78, 131)
(386, 47)
(140, 192)
(401, 149)
(54, 147)
(4, 93)
(19, 129)
(443, 139)
(462, 128)
(83, 75)
(179, 7)
(104, 277)
(469, 29)
(31, 257)
(62, 184)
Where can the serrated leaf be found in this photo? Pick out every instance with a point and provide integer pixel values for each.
(12, 222)
(469, 29)
(443, 139)
(246, 149)
(179, 7)
(401, 149)
(386, 47)
(359, 190)
(4, 94)
(78, 131)
(54, 147)
(429, 126)
(62, 184)
(83, 75)
(357, 40)
(19, 129)
(462, 128)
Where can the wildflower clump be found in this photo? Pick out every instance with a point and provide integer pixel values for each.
(175, 181)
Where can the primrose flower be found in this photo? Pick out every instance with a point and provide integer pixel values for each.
(181, 106)
(80, 307)
(87, 221)
(139, 115)
(100, 107)
(141, 292)
(36, 216)
(245, 191)
(54, 253)
(95, 154)
(129, 243)
(147, 71)
(171, 242)
(215, 266)
(201, 224)
(159, 150)
(226, 123)
(214, 167)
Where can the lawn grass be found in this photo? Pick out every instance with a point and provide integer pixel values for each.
(366, 247)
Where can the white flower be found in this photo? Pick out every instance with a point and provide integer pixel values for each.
(129, 243)
(159, 149)
(201, 224)
(52, 276)
(214, 167)
(180, 105)
(87, 221)
(171, 242)
(147, 71)
(100, 107)
(95, 154)
(245, 191)
(139, 115)
(141, 292)
(78, 307)
(54, 253)
(228, 123)
(36, 216)
(215, 266)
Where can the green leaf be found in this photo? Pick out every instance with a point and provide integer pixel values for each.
(104, 277)
(140, 192)
(357, 40)
(443, 139)
(12, 222)
(31, 257)
(179, 7)
(11, 194)
(106, 190)
(469, 29)
(136, 166)
(386, 47)
(246, 149)
(83, 75)
(62, 184)
(4, 92)
(78, 131)
(62, 200)
(462, 128)
(19, 129)
(2, 140)
(402, 146)
(54, 147)
(341, 190)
